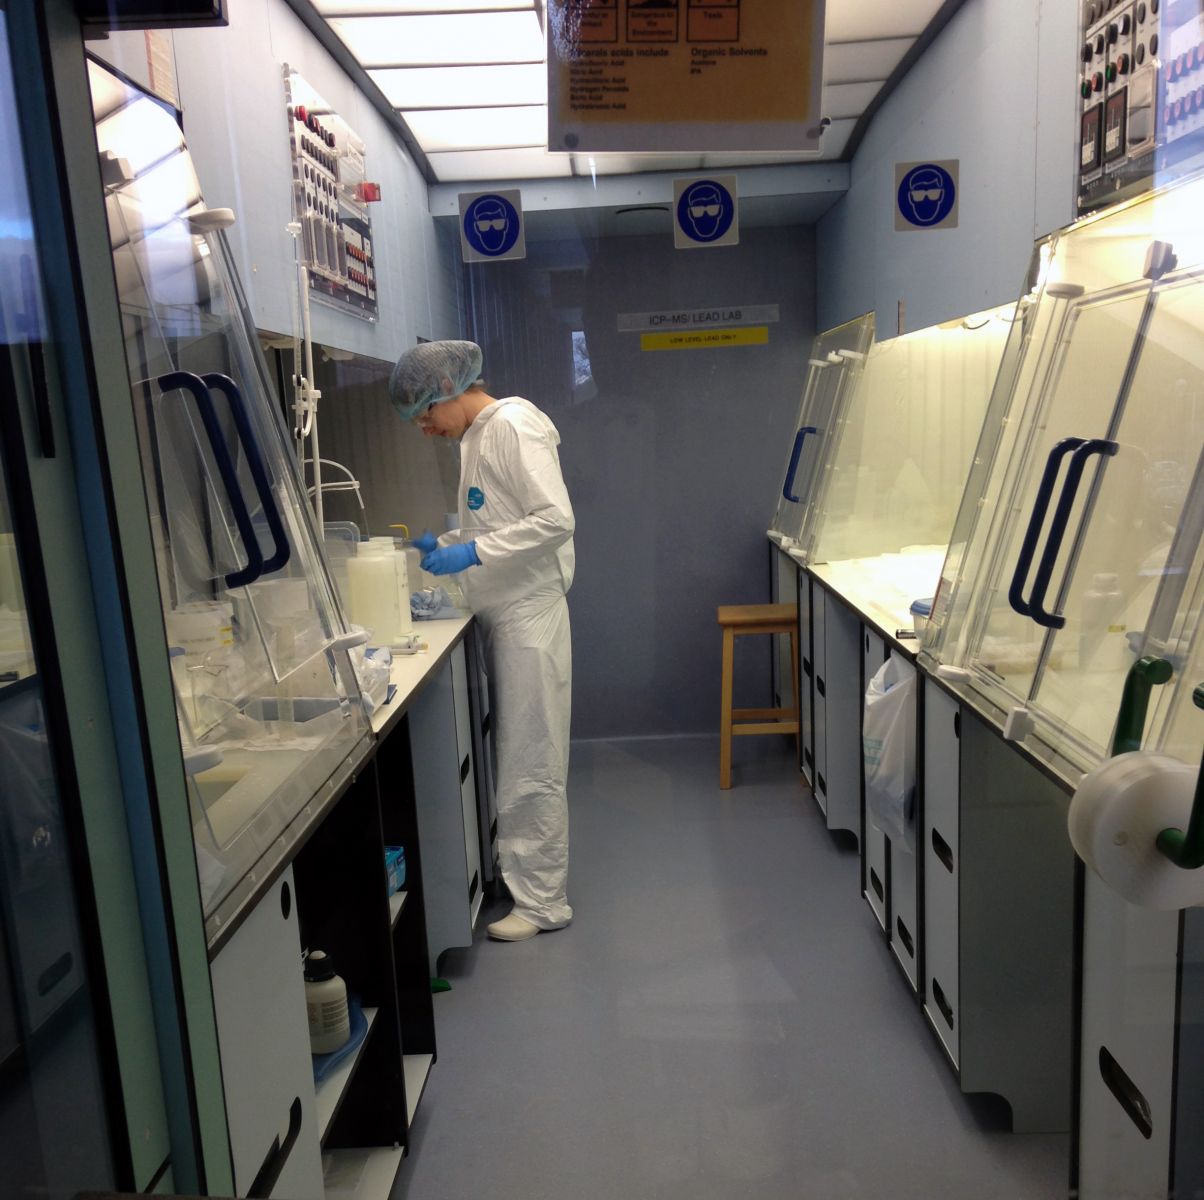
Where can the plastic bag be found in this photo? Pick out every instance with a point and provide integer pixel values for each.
(888, 746)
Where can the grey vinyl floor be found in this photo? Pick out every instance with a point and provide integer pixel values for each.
(721, 1019)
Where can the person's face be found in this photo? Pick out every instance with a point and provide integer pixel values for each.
(445, 419)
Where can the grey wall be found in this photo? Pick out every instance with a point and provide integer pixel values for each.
(672, 458)
(996, 90)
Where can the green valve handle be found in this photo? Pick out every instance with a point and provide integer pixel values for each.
(1187, 849)
(1146, 673)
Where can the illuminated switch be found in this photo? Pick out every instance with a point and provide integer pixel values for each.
(1097, 82)
(1123, 64)
(367, 193)
(1085, 89)
(1110, 72)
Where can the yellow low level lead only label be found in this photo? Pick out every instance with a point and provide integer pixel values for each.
(706, 339)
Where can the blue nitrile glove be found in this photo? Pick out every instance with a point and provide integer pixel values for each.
(427, 542)
(450, 560)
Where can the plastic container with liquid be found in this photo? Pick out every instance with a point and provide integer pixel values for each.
(378, 591)
(325, 1004)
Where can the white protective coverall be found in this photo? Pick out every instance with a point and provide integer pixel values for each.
(514, 505)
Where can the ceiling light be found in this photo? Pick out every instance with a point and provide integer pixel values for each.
(463, 87)
(496, 37)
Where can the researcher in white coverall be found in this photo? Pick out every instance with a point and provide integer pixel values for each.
(515, 549)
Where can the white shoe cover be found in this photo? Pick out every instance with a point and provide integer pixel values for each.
(512, 929)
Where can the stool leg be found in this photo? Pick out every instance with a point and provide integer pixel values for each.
(798, 699)
(725, 714)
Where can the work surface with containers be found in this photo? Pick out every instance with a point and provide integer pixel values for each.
(993, 530)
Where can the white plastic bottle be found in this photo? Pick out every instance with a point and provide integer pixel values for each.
(1103, 646)
(325, 1004)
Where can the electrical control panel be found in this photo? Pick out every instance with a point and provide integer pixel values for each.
(1141, 94)
(331, 194)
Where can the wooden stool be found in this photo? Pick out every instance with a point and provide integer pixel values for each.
(736, 620)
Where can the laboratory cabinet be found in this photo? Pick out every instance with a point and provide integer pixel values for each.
(999, 889)
(874, 843)
(783, 588)
(445, 787)
(835, 726)
(1143, 953)
(890, 869)
(297, 1131)
(483, 756)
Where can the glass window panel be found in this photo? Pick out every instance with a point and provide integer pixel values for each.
(54, 1130)
(836, 360)
(1136, 510)
(268, 703)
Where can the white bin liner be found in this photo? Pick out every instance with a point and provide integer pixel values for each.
(888, 746)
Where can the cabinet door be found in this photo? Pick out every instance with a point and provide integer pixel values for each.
(806, 677)
(1127, 1061)
(439, 798)
(468, 783)
(785, 590)
(903, 895)
(938, 842)
(1016, 948)
(842, 666)
(819, 623)
(263, 1036)
(874, 843)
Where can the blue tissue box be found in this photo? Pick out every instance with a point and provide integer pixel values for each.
(395, 867)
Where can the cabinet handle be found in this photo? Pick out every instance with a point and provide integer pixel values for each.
(938, 994)
(464, 769)
(943, 851)
(263, 485)
(823, 783)
(795, 454)
(807, 667)
(905, 937)
(1057, 529)
(876, 884)
(819, 686)
(277, 1156)
(185, 381)
(1036, 519)
(1126, 1093)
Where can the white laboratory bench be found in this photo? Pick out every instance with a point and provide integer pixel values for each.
(414, 787)
(987, 951)
(412, 672)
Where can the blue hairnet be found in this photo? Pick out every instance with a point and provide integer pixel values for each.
(430, 372)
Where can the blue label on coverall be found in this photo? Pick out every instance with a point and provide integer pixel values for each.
(476, 498)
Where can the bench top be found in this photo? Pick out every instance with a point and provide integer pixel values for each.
(757, 616)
